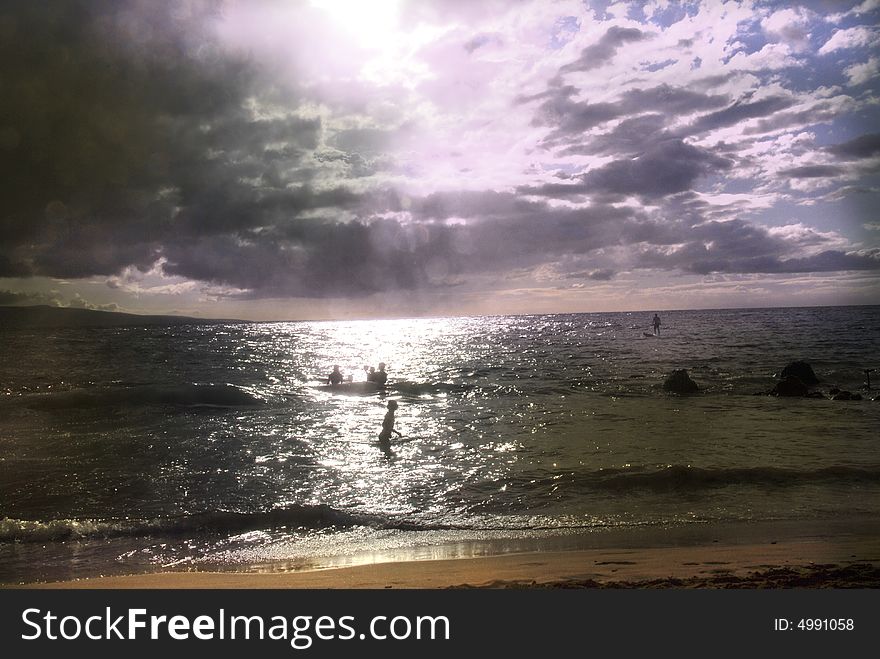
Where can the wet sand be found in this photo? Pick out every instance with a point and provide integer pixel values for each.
(852, 561)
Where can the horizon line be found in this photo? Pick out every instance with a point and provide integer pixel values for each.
(180, 315)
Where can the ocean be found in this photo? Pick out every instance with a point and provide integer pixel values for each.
(216, 446)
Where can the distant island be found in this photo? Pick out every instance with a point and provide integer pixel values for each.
(52, 317)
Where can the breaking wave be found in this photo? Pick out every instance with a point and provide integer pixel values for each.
(307, 517)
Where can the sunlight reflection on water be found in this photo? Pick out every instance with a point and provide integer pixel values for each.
(509, 423)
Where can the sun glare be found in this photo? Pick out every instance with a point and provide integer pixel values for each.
(372, 24)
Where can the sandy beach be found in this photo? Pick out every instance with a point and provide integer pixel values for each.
(809, 561)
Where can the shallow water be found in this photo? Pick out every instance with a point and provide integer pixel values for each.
(134, 448)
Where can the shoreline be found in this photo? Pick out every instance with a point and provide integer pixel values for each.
(764, 555)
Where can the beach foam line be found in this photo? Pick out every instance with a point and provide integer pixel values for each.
(845, 562)
(213, 523)
(19, 530)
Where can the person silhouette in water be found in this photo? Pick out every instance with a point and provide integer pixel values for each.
(656, 323)
(388, 425)
(380, 377)
(335, 377)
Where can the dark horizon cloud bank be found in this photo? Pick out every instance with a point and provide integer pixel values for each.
(300, 159)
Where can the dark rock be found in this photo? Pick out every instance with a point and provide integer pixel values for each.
(816, 394)
(856, 397)
(877, 398)
(679, 382)
(843, 395)
(790, 387)
(802, 371)
(833, 391)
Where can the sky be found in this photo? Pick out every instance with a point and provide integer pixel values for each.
(317, 159)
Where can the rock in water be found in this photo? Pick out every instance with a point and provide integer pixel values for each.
(790, 387)
(802, 371)
(680, 383)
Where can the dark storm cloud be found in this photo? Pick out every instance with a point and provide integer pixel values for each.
(107, 102)
(821, 112)
(654, 232)
(504, 232)
(501, 231)
(95, 250)
(548, 234)
(13, 267)
(594, 275)
(492, 232)
(127, 134)
(629, 137)
(738, 112)
(555, 90)
(739, 247)
(812, 171)
(647, 111)
(129, 139)
(570, 117)
(316, 259)
(833, 261)
(233, 209)
(828, 261)
(864, 146)
(325, 258)
(738, 239)
(669, 100)
(603, 51)
(665, 168)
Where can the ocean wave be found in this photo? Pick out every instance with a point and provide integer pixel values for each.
(189, 395)
(686, 478)
(309, 517)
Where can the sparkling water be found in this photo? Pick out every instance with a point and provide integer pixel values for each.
(136, 448)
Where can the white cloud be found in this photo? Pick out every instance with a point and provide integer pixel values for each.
(79, 302)
(861, 73)
(618, 10)
(151, 283)
(865, 7)
(436, 105)
(807, 240)
(771, 57)
(791, 26)
(850, 38)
